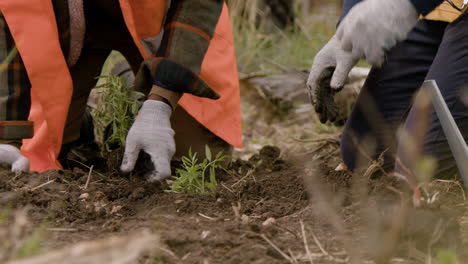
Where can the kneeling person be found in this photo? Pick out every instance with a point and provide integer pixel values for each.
(183, 55)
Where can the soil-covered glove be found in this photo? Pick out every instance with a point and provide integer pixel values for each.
(328, 75)
(12, 156)
(151, 133)
(372, 27)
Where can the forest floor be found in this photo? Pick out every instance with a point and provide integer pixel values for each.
(292, 207)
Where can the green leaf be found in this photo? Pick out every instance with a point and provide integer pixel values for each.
(196, 177)
(208, 152)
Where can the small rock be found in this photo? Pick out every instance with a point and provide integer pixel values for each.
(270, 221)
(341, 167)
(205, 234)
(116, 209)
(245, 219)
(84, 196)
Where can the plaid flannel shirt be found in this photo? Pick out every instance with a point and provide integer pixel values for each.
(188, 29)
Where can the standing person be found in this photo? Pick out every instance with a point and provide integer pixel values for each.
(405, 50)
(183, 53)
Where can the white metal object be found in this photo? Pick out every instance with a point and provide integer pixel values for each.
(465, 3)
(452, 133)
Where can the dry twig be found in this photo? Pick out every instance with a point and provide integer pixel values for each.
(284, 255)
(306, 244)
(208, 217)
(89, 177)
(42, 185)
(60, 229)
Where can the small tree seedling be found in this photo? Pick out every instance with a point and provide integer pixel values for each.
(195, 176)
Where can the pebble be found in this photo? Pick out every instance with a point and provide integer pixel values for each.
(270, 221)
(84, 196)
(245, 219)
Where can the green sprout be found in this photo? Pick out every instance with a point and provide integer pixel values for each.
(197, 177)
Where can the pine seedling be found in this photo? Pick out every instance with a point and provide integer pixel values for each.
(115, 115)
(195, 176)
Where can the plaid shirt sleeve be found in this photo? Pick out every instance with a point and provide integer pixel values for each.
(188, 30)
(14, 83)
(15, 86)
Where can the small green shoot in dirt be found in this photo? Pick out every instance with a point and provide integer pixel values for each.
(115, 115)
(195, 176)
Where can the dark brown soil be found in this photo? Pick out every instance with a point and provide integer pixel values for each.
(259, 199)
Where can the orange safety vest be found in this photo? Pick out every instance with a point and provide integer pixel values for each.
(33, 26)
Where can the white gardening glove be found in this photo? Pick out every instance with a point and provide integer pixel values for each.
(152, 133)
(328, 75)
(12, 156)
(373, 27)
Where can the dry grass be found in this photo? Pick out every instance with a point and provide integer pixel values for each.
(259, 41)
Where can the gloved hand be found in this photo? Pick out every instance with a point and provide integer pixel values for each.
(327, 77)
(151, 132)
(12, 156)
(374, 26)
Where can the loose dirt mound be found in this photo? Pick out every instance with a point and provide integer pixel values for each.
(92, 204)
(260, 213)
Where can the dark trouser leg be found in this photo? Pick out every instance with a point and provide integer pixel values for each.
(189, 134)
(84, 75)
(450, 70)
(386, 96)
(103, 34)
